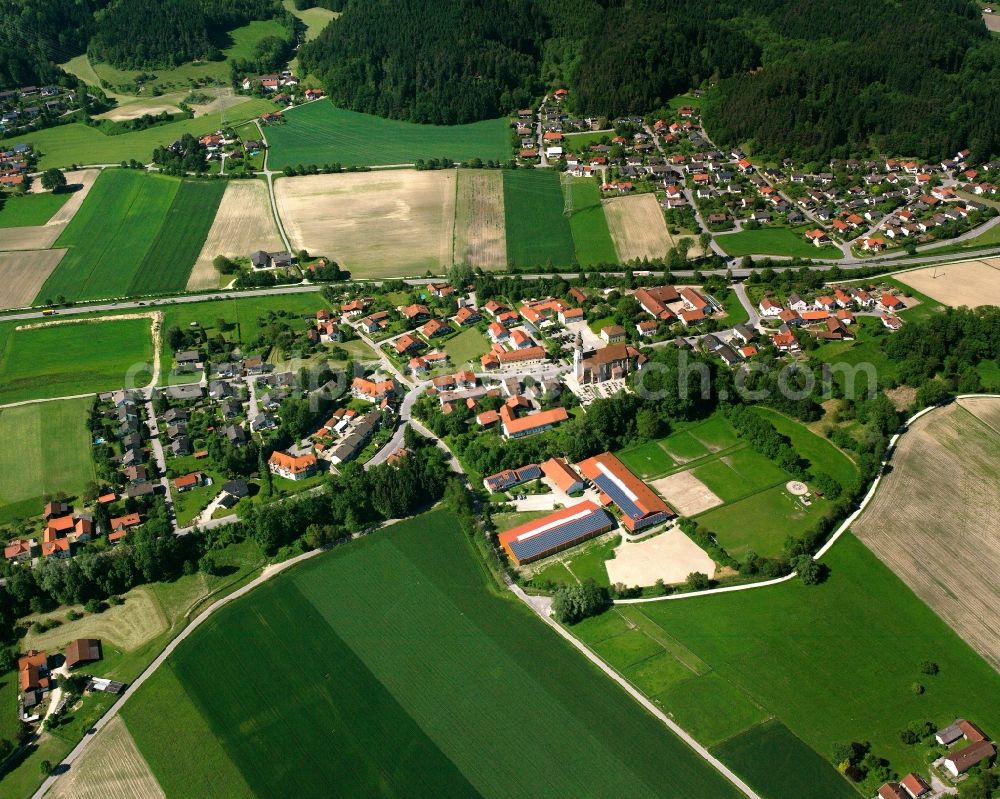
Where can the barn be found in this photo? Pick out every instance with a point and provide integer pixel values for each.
(555, 532)
(640, 506)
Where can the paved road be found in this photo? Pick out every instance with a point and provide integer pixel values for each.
(751, 309)
(674, 727)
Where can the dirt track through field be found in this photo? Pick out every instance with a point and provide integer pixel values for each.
(637, 227)
(23, 273)
(243, 224)
(41, 237)
(385, 223)
(112, 769)
(971, 283)
(935, 520)
(480, 230)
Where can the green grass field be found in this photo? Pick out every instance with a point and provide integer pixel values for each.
(591, 237)
(775, 241)
(776, 763)
(647, 460)
(66, 360)
(821, 453)
(30, 209)
(466, 346)
(685, 447)
(537, 230)
(836, 662)
(388, 668)
(319, 133)
(44, 448)
(77, 143)
(134, 234)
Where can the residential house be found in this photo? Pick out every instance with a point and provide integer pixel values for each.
(292, 467)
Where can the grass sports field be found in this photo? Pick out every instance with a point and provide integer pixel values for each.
(816, 670)
(30, 209)
(44, 448)
(927, 521)
(537, 230)
(77, 143)
(319, 133)
(451, 691)
(591, 238)
(66, 360)
(375, 224)
(135, 234)
(775, 241)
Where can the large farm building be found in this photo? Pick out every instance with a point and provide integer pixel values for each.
(639, 504)
(556, 532)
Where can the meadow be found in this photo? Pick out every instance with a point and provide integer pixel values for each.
(77, 143)
(466, 346)
(410, 678)
(30, 209)
(822, 455)
(591, 238)
(44, 449)
(66, 360)
(537, 230)
(777, 240)
(319, 133)
(135, 234)
(840, 664)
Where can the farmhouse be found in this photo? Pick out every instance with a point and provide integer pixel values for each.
(555, 532)
(292, 467)
(961, 760)
(891, 791)
(639, 505)
(33, 671)
(509, 478)
(914, 785)
(654, 301)
(21, 549)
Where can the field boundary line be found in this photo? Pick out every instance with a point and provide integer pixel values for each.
(843, 528)
(672, 725)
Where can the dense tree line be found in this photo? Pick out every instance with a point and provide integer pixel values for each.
(134, 34)
(35, 35)
(432, 61)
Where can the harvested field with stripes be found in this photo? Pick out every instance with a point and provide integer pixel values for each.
(637, 227)
(935, 517)
(480, 234)
(22, 275)
(243, 224)
(971, 283)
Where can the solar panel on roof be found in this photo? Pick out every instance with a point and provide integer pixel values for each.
(557, 537)
(619, 497)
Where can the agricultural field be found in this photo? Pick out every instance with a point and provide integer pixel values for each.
(137, 234)
(30, 209)
(537, 230)
(480, 239)
(42, 236)
(778, 240)
(832, 632)
(470, 690)
(77, 143)
(319, 133)
(243, 224)
(23, 273)
(69, 359)
(591, 238)
(929, 521)
(375, 224)
(44, 449)
(638, 227)
(969, 283)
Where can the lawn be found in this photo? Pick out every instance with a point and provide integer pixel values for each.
(736, 314)
(30, 209)
(822, 454)
(319, 133)
(776, 763)
(836, 662)
(989, 374)
(77, 143)
(44, 448)
(776, 240)
(853, 361)
(420, 682)
(647, 460)
(538, 233)
(466, 346)
(591, 237)
(715, 432)
(578, 142)
(135, 234)
(683, 446)
(760, 522)
(66, 360)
